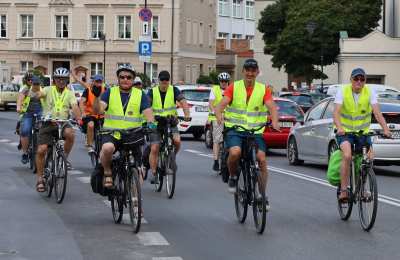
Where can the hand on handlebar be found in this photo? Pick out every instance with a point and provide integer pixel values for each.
(387, 133)
(340, 131)
(276, 127)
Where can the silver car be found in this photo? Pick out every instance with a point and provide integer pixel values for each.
(314, 139)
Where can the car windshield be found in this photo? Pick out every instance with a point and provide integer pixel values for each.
(302, 100)
(10, 87)
(78, 87)
(196, 94)
(387, 107)
(286, 108)
(316, 97)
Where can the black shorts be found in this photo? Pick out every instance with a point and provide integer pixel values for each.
(98, 122)
(136, 149)
(48, 131)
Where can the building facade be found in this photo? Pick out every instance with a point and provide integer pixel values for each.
(45, 34)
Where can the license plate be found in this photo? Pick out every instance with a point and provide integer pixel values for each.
(201, 109)
(285, 124)
(396, 134)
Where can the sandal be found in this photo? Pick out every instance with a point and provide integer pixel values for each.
(343, 199)
(107, 180)
(40, 185)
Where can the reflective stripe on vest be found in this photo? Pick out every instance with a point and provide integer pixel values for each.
(356, 117)
(90, 101)
(169, 107)
(59, 99)
(115, 118)
(218, 98)
(248, 115)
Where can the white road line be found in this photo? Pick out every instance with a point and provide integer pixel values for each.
(14, 143)
(84, 179)
(152, 239)
(206, 155)
(168, 258)
(5, 140)
(75, 172)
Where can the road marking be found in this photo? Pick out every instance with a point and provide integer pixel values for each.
(152, 239)
(5, 140)
(75, 172)
(14, 143)
(382, 198)
(206, 155)
(84, 179)
(168, 258)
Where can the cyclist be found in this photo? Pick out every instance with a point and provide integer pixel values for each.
(217, 129)
(163, 99)
(354, 105)
(26, 83)
(89, 117)
(123, 107)
(28, 105)
(247, 103)
(137, 83)
(58, 102)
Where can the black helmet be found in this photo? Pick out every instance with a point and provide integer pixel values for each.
(164, 75)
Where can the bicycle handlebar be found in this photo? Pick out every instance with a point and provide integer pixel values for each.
(361, 133)
(252, 131)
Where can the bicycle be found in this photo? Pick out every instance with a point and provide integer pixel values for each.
(362, 186)
(95, 154)
(166, 156)
(55, 170)
(127, 190)
(249, 191)
(33, 139)
(222, 159)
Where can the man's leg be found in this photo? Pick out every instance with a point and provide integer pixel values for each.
(106, 153)
(26, 129)
(345, 146)
(153, 160)
(69, 140)
(177, 142)
(233, 161)
(90, 134)
(40, 161)
(217, 139)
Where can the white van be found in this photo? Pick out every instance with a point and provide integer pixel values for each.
(377, 87)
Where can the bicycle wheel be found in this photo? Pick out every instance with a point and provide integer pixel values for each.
(93, 158)
(345, 208)
(240, 196)
(259, 204)
(60, 176)
(117, 205)
(33, 153)
(48, 173)
(368, 198)
(170, 177)
(134, 199)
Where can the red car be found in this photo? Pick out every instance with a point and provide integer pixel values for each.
(289, 113)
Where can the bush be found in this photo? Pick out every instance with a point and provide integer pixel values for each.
(211, 78)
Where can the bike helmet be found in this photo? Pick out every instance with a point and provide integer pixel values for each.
(126, 67)
(224, 76)
(28, 75)
(61, 73)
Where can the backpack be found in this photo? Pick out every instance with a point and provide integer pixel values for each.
(96, 180)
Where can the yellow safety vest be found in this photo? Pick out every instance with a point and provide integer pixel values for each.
(169, 106)
(356, 117)
(218, 98)
(115, 118)
(249, 115)
(27, 100)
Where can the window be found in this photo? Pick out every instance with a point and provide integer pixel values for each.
(155, 28)
(96, 68)
(222, 35)
(195, 73)
(97, 26)
(201, 33)
(26, 66)
(250, 38)
(286, 108)
(27, 26)
(211, 34)
(329, 111)
(3, 26)
(196, 95)
(316, 112)
(188, 32)
(249, 10)
(62, 26)
(124, 27)
(236, 8)
(187, 74)
(195, 32)
(223, 8)
(2, 62)
(152, 71)
(236, 36)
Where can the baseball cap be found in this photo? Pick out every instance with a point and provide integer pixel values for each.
(137, 80)
(98, 77)
(250, 63)
(357, 72)
(36, 80)
(164, 75)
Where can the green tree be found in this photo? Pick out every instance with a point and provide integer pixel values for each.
(211, 78)
(297, 50)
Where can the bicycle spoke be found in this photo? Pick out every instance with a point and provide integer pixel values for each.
(368, 199)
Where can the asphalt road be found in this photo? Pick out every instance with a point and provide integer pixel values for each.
(198, 223)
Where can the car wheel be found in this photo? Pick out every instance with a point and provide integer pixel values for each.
(197, 135)
(208, 138)
(332, 148)
(293, 153)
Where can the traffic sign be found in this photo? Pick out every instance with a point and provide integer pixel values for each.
(145, 49)
(145, 14)
(145, 29)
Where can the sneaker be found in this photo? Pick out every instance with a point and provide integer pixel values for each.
(154, 180)
(216, 166)
(232, 185)
(69, 166)
(25, 158)
(90, 149)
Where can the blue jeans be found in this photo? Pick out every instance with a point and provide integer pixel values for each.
(236, 138)
(26, 124)
(359, 141)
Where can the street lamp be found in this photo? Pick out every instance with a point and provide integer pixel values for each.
(310, 27)
(102, 36)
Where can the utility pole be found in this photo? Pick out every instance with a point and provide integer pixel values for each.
(102, 36)
(144, 69)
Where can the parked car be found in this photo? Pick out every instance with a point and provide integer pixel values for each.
(197, 98)
(316, 97)
(389, 95)
(8, 95)
(314, 139)
(332, 89)
(77, 89)
(289, 113)
(304, 100)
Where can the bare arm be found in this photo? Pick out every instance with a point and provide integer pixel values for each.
(20, 100)
(85, 84)
(148, 114)
(82, 106)
(336, 119)
(220, 108)
(183, 103)
(211, 106)
(77, 112)
(270, 104)
(99, 107)
(381, 120)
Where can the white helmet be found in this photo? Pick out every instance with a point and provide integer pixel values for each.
(224, 76)
(61, 73)
(126, 67)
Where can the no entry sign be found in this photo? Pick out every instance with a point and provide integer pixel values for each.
(145, 14)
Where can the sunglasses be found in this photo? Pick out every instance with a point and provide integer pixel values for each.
(164, 79)
(126, 77)
(360, 79)
(224, 81)
(98, 81)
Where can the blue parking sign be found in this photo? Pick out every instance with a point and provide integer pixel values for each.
(145, 48)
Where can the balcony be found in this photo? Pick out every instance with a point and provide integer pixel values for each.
(58, 46)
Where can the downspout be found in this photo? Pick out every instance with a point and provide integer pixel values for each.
(172, 40)
(384, 17)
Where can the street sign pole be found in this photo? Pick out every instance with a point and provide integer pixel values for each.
(145, 41)
(144, 63)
